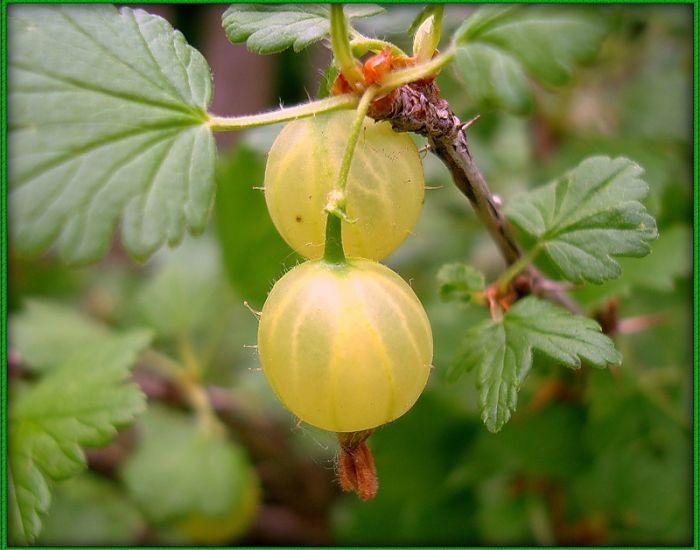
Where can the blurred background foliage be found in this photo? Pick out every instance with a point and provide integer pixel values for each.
(590, 457)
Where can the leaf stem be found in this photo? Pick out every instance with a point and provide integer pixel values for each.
(334, 103)
(336, 198)
(188, 385)
(188, 356)
(345, 101)
(342, 51)
(360, 114)
(514, 269)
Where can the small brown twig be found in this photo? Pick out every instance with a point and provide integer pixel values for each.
(418, 107)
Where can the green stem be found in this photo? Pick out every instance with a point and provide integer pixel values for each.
(516, 268)
(188, 356)
(360, 114)
(341, 47)
(189, 386)
(334, 241)
(336, 204)
(345, 101)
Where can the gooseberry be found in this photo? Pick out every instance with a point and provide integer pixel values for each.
(384, 192)
(347, 346)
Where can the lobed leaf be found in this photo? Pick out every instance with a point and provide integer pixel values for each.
(669, 261)
(587, 217)
(269, 28)
(47, 334)
(106, 125)
(502, 352)
(79, 403)
(499, 45)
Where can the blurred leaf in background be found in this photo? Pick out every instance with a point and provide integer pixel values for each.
(216, 493)
(253, 251)
(89, 510)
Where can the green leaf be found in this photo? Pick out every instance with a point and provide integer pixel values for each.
(499, 46)
(502, 352)
(493, 79)
(187, 291)
(179, 468)
(91, 511)
(588, 216)
(459, 282)
(77, 404)
(47, 334)
(107, 126)
(669, 261)
(269, 28)
(427, 11)
(245, 230)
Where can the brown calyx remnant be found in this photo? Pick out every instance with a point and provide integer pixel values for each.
(356, 470)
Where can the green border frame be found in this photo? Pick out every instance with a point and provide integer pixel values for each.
(696, 241)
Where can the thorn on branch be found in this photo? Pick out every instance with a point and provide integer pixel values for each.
(469, 122)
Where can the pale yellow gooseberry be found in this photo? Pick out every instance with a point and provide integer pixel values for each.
(385, 186)
(346, 347)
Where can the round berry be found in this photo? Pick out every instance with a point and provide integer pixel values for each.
(346, 347)
(385, 186)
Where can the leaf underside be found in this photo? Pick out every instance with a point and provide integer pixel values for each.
(587, 217)
(499, 47)
(502, 352)
(106, 126)
(80, 402)
(269, 28)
